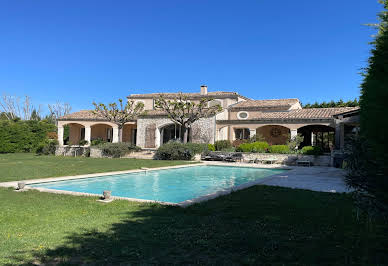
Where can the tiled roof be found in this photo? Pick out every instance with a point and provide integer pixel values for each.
(308, 113)
(189, 95)
(253, 104)
(83, 114)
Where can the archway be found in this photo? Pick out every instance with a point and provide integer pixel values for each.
(73, 133)
(172, 132)
(101, 132)
(241, 133)
(274, 134)
(318, 135)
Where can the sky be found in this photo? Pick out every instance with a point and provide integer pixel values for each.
(84, 51)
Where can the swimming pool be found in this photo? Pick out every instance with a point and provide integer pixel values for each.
(168, 185)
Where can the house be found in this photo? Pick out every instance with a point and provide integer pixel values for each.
(241, 118)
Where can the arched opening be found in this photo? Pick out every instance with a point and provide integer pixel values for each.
(222, 133)
(101, 132)
(274, 134)
(129, 133)
(171, 132)
(73, 134)
(318, 135)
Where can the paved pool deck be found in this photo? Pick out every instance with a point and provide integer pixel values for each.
(322, 179)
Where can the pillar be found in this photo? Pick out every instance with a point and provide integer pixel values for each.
(88, 134)
(252, 132)
(115, 137)
(294, 133)
(339, 135)
(60, 136)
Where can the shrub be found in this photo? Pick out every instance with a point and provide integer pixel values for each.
(311, 150)
(117, 150)
(279, 149)
(174, 151)
(221, 145)
(83, 142)
(253, 147)
(97, 142)
(47, 147)
(23, 136)
(238, 142)
(197, 148)
(211, 147)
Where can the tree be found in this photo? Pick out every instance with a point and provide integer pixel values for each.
(368, 157)
(57, 110)
(119, 114)
(184, 112)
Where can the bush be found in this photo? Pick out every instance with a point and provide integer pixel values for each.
(179, 151)
(97, 142)
(47, 148)
(238, 142)
(117, 150)
(23, 136)
(221, 145)
(211, 147)
(311, 150)
(83, 142)
(174, 151)
(253, 147)
(279, 149)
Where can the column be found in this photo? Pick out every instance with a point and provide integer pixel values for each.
(339, 135)
(294, 133)
(158, 137)
(88, 131)
(60, 136)
(252, 132)
(115, 137)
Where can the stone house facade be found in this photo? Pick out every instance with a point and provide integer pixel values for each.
(241, 118)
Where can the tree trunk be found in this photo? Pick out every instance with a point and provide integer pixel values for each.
(185, 134)
(120, 134)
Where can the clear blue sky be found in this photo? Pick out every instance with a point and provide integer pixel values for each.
(84, 51)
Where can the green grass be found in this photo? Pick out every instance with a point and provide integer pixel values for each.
(22, 166)
(259, 225)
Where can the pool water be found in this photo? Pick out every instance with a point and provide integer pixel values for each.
(167, 185)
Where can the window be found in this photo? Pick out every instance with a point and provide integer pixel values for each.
(242, 133)
(242, 115)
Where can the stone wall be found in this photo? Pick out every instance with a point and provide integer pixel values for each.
(72, 151)
(287, 159)
(148, 128)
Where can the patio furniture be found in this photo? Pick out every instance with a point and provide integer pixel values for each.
(303, 163)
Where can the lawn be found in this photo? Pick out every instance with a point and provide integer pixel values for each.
(260, 225)
(22, 166)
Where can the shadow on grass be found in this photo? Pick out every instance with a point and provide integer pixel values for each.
(260, 225)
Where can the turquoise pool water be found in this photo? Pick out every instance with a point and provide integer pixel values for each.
(170, 185)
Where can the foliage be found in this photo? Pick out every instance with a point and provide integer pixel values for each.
(119, 114)
(279, 149)
(294, 142)
(221, 145)
(96, 142)
(339, 103)
(117, 150)
(184, 112)
(311, 150)
(23, 136)
(211, 147)
(253, 147)
(47, 147)
(174, 150)
(368, 160)
(83, 142)
(238, 142)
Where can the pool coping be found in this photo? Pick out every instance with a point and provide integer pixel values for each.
(183, 204)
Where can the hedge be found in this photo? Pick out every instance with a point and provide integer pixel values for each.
(179, 151)
(23, 136)
(279, 149)
(311, 150)
(117, 150)
(253, 147)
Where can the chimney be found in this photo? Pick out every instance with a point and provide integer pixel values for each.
(203, 90)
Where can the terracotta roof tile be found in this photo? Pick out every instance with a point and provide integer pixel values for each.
(264, 103)
(310, 113)
(83, 114)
